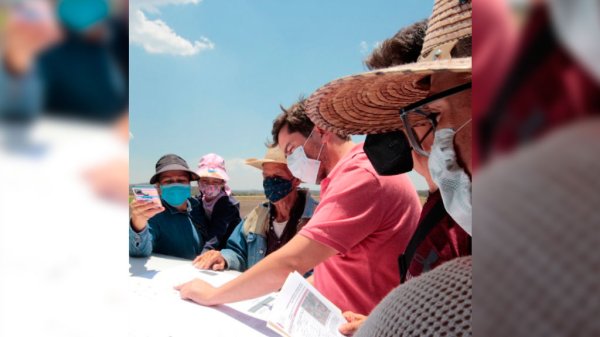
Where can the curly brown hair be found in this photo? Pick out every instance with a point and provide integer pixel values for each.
(297, 120)
(404, 47)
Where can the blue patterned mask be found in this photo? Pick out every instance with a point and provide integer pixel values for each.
(175, 194)
(276, 188)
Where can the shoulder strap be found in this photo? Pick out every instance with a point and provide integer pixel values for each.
(423, 228)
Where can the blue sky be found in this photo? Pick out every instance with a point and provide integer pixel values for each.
(209, 76)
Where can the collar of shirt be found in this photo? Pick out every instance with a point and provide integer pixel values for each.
(358, 148)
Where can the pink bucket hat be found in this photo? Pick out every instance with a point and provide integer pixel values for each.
(212, 166)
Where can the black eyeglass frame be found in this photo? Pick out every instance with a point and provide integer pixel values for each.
(415, 108)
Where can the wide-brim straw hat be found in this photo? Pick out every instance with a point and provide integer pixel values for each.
(273, 155)
(369, 102)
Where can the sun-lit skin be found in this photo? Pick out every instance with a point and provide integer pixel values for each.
(455, 112)
(212, 181)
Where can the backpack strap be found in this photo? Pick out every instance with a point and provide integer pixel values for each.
(423, 228)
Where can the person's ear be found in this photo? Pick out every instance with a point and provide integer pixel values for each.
(323, 134)
(157, 187)
(296, 182)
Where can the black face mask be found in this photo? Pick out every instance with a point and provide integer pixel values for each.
(389, 153)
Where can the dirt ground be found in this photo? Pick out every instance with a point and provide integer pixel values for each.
(247, 203)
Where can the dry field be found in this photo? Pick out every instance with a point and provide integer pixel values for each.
(248, 202)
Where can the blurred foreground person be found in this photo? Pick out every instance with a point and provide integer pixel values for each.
(62, 58)
(537, 190)
(269, 225)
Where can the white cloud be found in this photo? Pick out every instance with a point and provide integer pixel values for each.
(366, 49)
(155, 36)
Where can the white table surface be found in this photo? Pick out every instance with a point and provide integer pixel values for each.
(168, 315)
(62, 248)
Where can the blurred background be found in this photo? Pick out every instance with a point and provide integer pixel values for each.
(536, 99)
(64, 159)
(64, 162)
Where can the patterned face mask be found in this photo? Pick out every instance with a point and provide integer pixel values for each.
(209, 191)
(276, 188)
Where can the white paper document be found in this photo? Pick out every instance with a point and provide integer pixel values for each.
(301, 311)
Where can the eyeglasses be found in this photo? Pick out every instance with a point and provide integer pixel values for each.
(419, 114)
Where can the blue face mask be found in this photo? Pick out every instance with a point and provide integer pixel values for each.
(175, 194)
(276, 188)
(79, 15)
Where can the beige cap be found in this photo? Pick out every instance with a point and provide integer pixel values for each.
(273, 155)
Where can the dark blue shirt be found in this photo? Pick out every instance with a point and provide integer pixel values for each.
(171, 232)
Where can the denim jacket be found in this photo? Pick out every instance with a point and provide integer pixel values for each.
(247, 245)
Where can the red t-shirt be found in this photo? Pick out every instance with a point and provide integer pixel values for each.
(446, 241)
(368, 219)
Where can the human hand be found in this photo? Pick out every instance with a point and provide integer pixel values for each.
(110, 180)
(354, 322)
(141, 212)
(198, 291)
(31, 28)
(210, 260)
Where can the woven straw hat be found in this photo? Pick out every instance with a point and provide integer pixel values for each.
(273, 155)
(369, 102)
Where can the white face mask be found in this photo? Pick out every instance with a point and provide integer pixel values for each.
(301, 166)
(453, 182)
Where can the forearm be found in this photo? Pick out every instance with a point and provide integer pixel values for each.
(140, 244)
(20, 95)
(266, 276)
(300, 254)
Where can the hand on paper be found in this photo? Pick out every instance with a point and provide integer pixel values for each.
(141, 211)
(210, 260)
(198, 291)
(354, 322)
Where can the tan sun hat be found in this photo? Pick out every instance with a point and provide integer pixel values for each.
(369, 102)
(273, 155)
